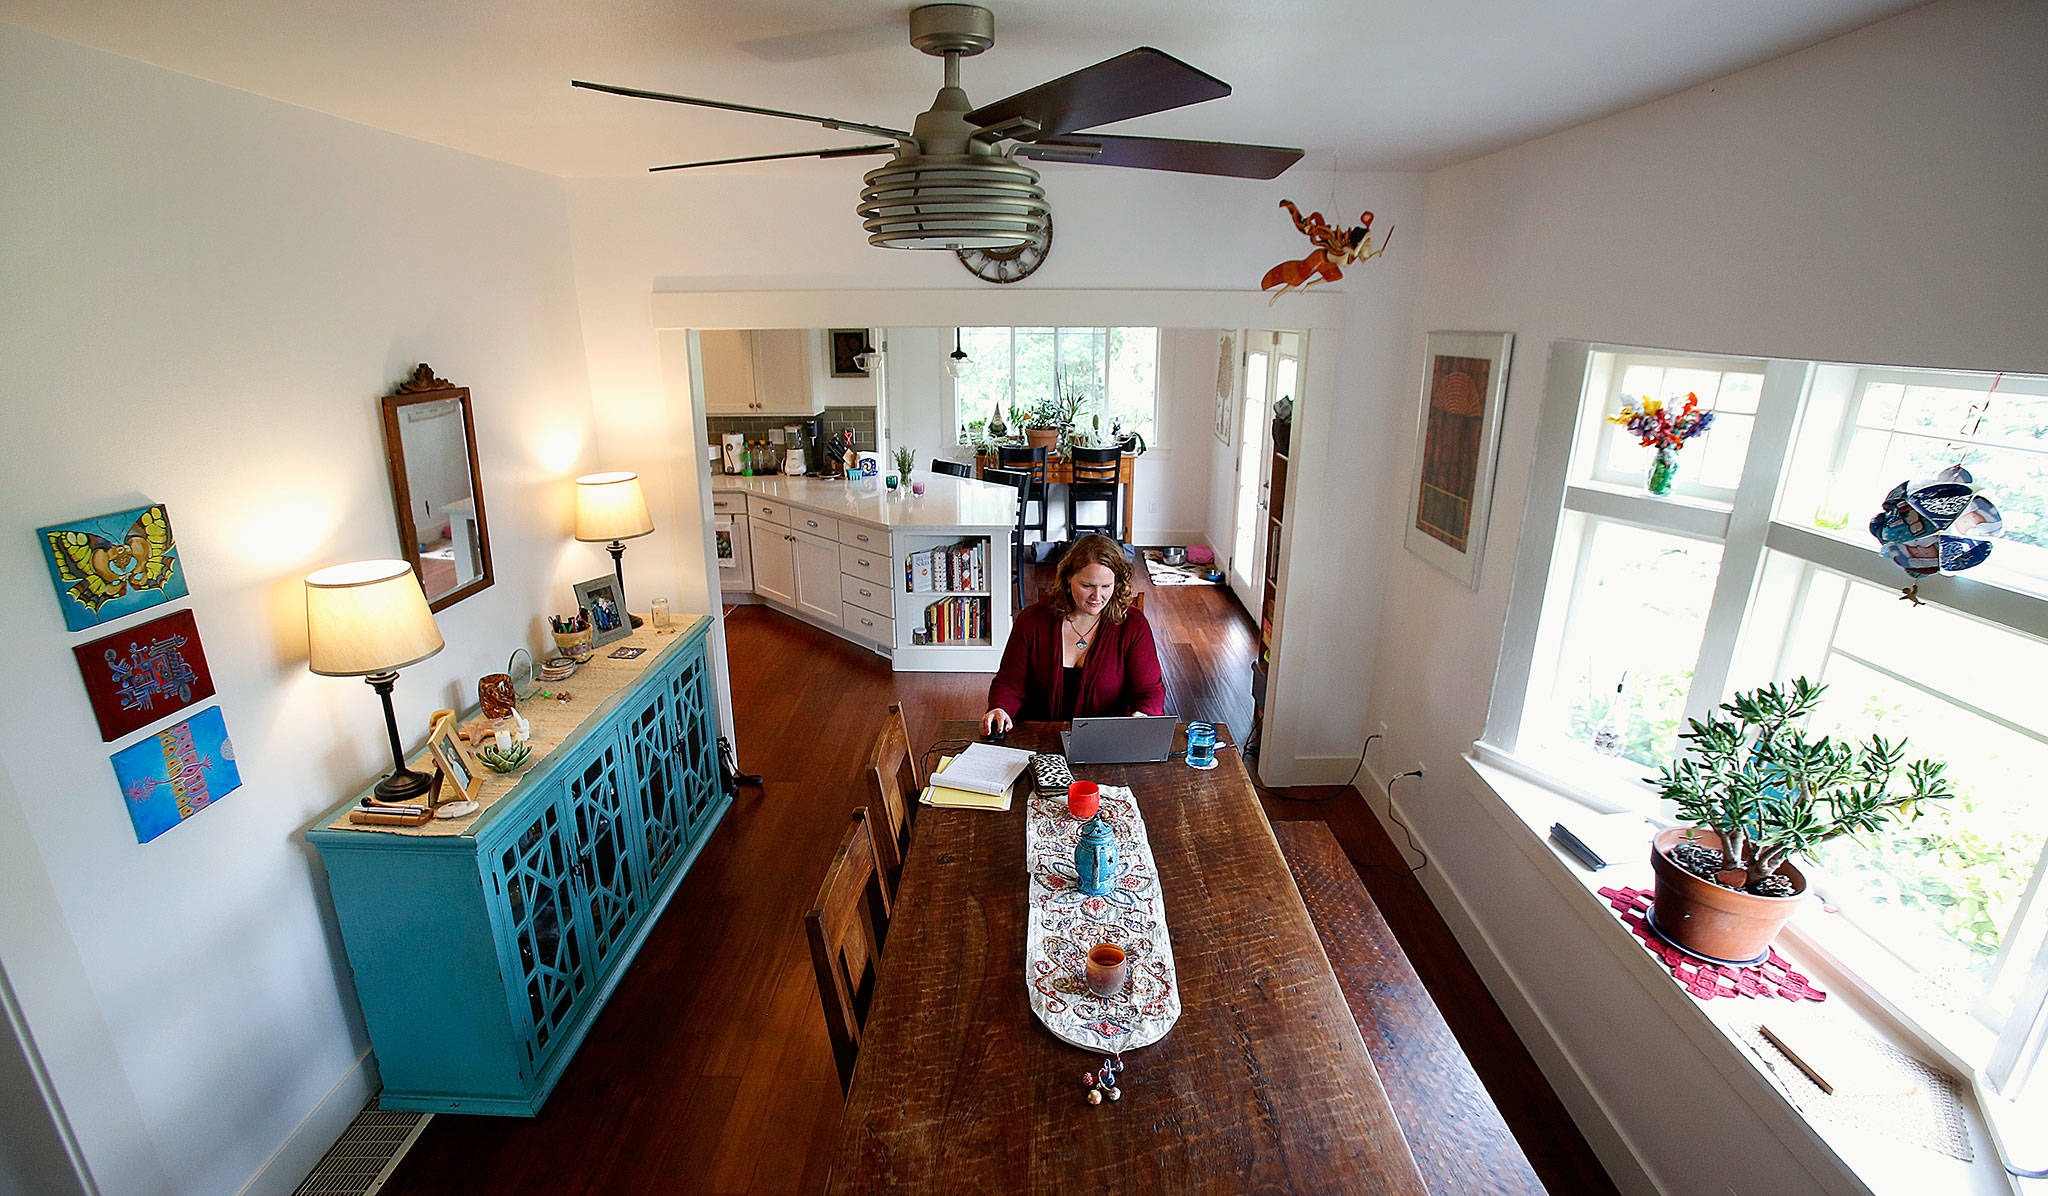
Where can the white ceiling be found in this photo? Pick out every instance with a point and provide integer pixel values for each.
(1398, 84)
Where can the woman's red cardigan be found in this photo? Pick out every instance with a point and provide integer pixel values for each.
(1120, 675)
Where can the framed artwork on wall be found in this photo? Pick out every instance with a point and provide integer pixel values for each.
(177, 772)
(1457, 439)
(137, 676)
(1226, 386)
(112, 565)
(847, 346)
(606, 602)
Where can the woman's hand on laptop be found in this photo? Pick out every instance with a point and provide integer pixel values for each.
(996, 722)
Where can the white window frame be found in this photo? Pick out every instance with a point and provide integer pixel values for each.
(957, 428)
(1563, 483)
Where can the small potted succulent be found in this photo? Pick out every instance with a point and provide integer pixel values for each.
(1758, 790)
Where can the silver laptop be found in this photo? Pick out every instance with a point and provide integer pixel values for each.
(1133, 740)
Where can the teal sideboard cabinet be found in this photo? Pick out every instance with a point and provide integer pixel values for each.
(484, 947)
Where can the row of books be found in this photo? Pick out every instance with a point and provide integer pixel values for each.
(962, 566)
(953, 621)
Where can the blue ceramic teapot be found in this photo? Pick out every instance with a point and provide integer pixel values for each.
(1095, 858)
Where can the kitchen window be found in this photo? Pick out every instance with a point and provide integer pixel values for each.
(1635, 612)
(1115, 371)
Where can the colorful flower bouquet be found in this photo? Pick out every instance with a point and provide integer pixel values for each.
(1658, 428)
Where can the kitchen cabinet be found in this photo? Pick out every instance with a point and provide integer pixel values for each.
(757, 372)
(817, 576)
(774, 561)
(482, 949)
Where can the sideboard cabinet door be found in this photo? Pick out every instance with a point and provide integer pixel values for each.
(696, 744)
(604, 862)
(651, 740)
(548, 960)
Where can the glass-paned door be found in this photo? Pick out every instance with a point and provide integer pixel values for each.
(551, 964)
(696, 744)
(1254, 426)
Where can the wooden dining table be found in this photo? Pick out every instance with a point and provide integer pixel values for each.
(1263, 1085)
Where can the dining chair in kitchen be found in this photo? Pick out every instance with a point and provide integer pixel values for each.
(847, 926)
(1098, 478)
(952, 468)
(894, 784)
(1021, 483)
(1031, 461)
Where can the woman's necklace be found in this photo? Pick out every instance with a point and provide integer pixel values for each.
(1080, 636)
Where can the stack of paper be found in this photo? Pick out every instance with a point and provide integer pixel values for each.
(986, 768)
(939, 793)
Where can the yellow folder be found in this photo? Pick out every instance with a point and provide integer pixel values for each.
(936, 794)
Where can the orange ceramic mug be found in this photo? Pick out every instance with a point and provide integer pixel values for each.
(1107, 969)
(1083, 799)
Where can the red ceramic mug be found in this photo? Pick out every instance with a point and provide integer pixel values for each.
(1083, 799)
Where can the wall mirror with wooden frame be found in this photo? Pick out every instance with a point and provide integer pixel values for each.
(436, 489)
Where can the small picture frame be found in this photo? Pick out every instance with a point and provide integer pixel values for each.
(847, 346)
(605, 600)
(455, 796)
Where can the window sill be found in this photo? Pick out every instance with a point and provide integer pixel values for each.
(1526, 803)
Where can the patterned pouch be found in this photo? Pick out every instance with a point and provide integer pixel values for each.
(1050, 774)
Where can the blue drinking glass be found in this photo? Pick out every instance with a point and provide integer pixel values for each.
(1201, 745)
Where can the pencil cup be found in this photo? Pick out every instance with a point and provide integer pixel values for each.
(1107, 969)
(1083, 799)
(574, 644)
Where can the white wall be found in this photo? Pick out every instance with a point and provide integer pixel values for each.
(1874, 199)
(205, 294)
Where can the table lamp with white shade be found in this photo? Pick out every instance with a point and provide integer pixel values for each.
(370, 619)
(609, 506)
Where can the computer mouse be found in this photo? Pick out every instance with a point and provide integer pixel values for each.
(995, 736)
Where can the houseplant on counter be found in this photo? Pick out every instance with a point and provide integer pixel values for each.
(905, 458)
(1757, 790)
(1045, 424)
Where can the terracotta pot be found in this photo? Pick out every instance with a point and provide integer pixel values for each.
(1704, 919)
(1048, 437)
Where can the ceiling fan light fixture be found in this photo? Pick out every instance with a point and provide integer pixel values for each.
(953, 201)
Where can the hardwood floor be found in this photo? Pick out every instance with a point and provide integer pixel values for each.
(709, 1070)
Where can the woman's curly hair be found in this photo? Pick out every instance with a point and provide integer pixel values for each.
(1094, 550)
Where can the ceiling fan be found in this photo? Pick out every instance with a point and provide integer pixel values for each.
(954, 181)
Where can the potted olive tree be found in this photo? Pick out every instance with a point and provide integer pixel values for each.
(1758, 790)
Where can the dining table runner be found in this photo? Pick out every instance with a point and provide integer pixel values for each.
(1064, 923)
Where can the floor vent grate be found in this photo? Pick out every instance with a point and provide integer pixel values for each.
(365, 1155)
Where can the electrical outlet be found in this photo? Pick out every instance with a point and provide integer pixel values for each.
(1419, 771)
(1382, 732)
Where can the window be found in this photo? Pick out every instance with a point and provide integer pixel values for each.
(1114, 372)
(1759, 566)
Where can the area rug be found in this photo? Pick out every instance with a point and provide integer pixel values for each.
(1163, 574)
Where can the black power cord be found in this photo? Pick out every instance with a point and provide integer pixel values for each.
(1276, 795)
(1405, 832)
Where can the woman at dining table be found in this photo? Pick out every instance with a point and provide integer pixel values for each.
(1082, 650)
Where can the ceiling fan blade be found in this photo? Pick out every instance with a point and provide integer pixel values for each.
(851, 151)
(827, 121)
(1230, 158)
(1133, 83)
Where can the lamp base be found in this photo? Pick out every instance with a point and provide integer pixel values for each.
(403, 785)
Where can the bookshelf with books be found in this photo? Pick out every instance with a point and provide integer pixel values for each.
(952, 601)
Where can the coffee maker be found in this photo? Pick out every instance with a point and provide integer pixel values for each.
(818, 457)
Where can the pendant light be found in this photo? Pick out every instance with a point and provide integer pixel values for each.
(957, 361)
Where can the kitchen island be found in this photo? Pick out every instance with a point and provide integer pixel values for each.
(925, 580)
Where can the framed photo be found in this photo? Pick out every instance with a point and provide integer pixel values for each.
(847, 346)
(112, 565)
(1457, 440)
(459, 773)
(602, 597)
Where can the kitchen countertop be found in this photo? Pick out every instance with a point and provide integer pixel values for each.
(948, 502)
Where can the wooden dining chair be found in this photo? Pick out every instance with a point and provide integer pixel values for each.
(847, 926)
(894, 781)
